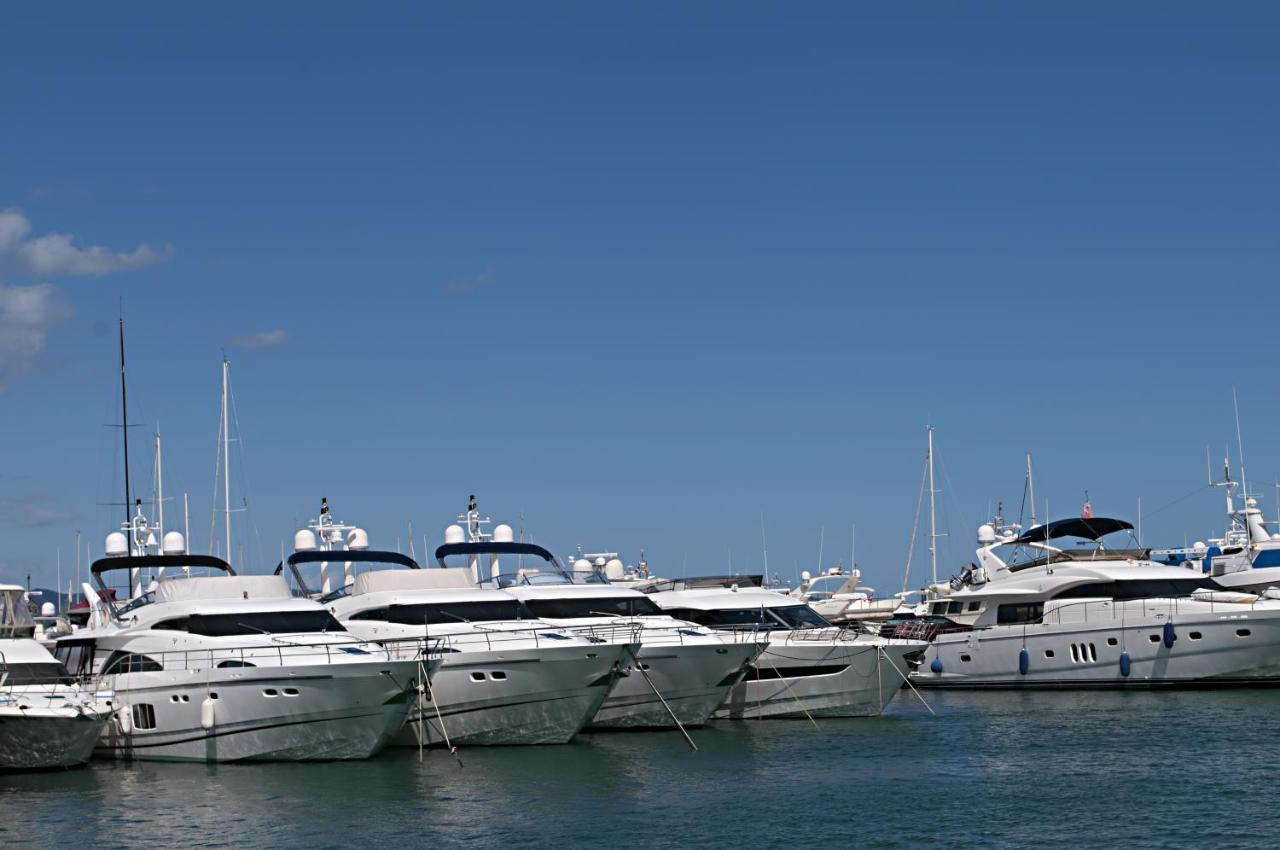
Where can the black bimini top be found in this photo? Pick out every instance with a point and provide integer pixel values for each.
(365, 556)
(132, 562)
(488, 547)
(1089, 529)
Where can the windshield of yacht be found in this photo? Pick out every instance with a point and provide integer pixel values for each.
(253, 623)
(616, 606)
(448, 612)
(42, 673)
(765, 619)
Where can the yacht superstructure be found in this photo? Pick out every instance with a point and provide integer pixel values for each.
(226, 667)
(678, 673)
(808, 667)
(505, 677)
(1094, 618)
(47, 719)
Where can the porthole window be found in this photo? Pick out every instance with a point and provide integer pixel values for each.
(965, 658)
(1075, 655)
(1153, 638)
(1112, 642)
(1048, 653)
(477, 677)
(271, 692)
(291, 692)
(1093, 652)
(498, 675)
(1195, 636)
(1243, 632)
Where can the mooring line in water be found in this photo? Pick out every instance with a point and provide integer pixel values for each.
(658, 694)
(422, 721)
(799, 704)
(906, 679)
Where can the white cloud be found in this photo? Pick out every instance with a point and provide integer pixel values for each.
(467, 285)
(56, 254)
(13, 227)
(27, 313)
(262, 339)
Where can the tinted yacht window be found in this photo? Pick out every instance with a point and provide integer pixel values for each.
(46, 673)
(256, 623)
(1139, 588)
(1020, 612)
(569, 609)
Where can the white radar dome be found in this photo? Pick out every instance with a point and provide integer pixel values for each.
(454, 534)
(582, 565)
(986, 534)
(174, 544)
(600, 562)
(614, 570)
(1250, 502)
(503, 533)
(357, 538)
(48, 610)
(117, 544)
(1199, 548)
(304, 541)
(805, 576)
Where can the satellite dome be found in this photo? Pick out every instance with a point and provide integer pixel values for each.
(117, 544)
(614, 570)
(304, 541)
(986, 533)
(582, 565)
(174, 544)
(454, 534)
(357, 538)
(503, 533)
(48, 610)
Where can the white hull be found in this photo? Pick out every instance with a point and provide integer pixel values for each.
(513, 696)
(38, 738)
(799, 677)
(1223, 644)
(304, 712)
(693, 678)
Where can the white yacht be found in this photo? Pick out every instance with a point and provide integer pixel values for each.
(1095, 617)
(505, 677)
(1246, 557)
(225, 667)
(47, 719)
(809, 668)
(679, 673)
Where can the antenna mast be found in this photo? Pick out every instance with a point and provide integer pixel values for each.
(933, 519)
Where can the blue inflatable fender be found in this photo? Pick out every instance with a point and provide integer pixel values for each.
(1125, 664)
(1024, 661)
(936, 666)
(1169, 635)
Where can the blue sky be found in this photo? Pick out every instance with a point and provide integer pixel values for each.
(643, 273)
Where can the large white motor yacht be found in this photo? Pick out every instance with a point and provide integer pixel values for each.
(224, 667)
(47, 719)
(1095, 617)
(679, 673)
(505, 677)
(808, 667)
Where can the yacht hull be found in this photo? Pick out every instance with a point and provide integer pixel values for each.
(693, 678)
(513, 696)
(309, 712)
(39, 738)
(816, 678)
(1218, 648)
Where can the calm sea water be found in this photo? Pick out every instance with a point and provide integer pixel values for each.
(1175, 769)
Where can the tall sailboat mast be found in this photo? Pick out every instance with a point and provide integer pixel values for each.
(1031, 490)
(124, 427)
(226, 460)
(933, 518)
